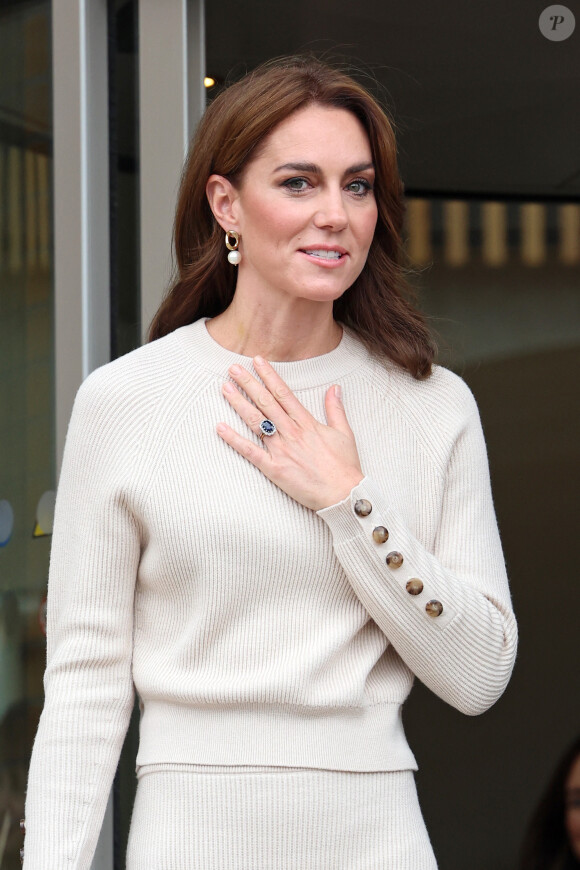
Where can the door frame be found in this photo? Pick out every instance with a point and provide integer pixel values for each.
(171, 102)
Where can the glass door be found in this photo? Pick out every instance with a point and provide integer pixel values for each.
(27, 450)
(74, 102)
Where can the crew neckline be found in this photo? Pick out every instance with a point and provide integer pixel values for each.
(327, 368)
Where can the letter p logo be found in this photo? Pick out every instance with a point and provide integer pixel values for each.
(557, 23)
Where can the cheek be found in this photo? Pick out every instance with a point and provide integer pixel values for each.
(272, 224)
(367, 225)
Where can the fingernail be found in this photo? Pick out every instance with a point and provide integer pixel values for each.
(236, 370)
(260, 360)
(338, 392)
(229, 388)
(221, 428)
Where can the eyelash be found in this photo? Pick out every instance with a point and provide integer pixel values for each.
(367, 186)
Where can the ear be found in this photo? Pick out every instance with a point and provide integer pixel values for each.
(222, 196)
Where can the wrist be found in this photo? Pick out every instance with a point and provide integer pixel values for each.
(342, 490)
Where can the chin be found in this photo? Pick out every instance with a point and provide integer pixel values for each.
(321, 296)
(323, 293)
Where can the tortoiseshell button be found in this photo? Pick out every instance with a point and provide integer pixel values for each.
(394, 559)
(362, 507)
(434, 608)
(414, 586)
(380, 534)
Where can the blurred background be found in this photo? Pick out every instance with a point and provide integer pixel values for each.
(97, 104)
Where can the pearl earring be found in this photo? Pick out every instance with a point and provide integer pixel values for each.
(232, 242)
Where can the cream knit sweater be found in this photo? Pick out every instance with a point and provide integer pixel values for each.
(254, 630)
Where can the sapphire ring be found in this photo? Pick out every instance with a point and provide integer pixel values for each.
(266, 428)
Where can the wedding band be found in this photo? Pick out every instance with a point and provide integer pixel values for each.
(266, 428)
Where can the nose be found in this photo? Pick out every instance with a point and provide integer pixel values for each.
(331, 212)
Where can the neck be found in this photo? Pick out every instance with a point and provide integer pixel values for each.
(298, 332)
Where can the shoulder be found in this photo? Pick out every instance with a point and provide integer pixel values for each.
(442, 395)
(437, 409)
(134, 393)
(442, 399)
(124, 409)
(141, 377)
(150, 360)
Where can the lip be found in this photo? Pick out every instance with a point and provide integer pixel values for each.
(336, 248)
(320, 261)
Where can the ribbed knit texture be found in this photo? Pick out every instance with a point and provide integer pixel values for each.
(277, 819)
(256, 631)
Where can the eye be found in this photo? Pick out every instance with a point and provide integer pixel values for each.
(360, 187)
(296, 185)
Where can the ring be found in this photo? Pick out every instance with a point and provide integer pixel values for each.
(266, 428)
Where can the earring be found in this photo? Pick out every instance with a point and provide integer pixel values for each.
(232, 242)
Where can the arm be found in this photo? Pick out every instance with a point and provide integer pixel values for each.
(88, 684)
(465, 653)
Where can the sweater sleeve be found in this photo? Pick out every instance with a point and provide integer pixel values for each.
(447, 609)
(88, 683)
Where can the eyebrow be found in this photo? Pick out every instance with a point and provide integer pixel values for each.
(316, 170)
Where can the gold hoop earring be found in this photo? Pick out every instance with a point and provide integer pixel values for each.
(232, 242)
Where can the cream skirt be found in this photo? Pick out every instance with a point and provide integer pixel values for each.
(209, 817)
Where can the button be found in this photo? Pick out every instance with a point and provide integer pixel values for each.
(394, 559)
(362, 507)
(434, 608)
(380, 534)
(414, 586)
(23, 825)
(22, 856)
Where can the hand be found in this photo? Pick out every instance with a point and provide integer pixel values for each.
(316, 465)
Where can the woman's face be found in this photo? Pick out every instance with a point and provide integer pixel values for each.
(305, 207)
(573, 807)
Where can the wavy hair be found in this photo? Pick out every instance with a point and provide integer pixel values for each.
(379, 306)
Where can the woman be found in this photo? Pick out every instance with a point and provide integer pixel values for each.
(269, 519)
(553, 838)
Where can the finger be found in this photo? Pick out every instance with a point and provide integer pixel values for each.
(258, 393)
(251, 415)
(281, 391)
(248, 449)
(335, 413)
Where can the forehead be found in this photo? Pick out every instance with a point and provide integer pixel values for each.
(315, 131)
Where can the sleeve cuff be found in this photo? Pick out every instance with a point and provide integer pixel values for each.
(362, 520)
(342, 519)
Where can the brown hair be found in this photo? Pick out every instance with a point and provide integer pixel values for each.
(377, 306)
